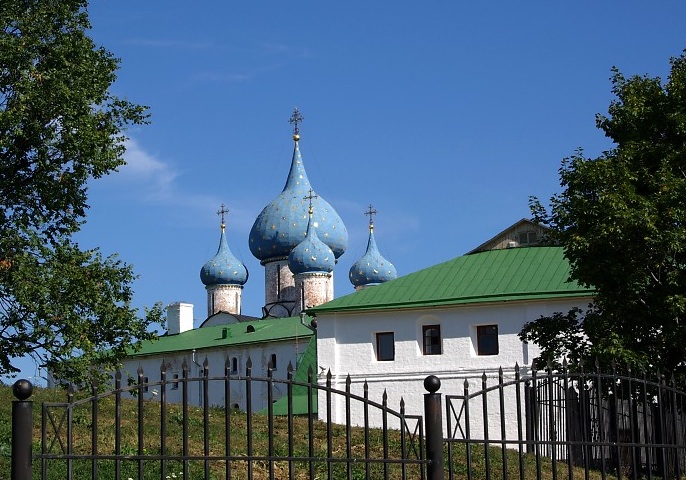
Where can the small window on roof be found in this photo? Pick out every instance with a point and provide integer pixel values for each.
(250, 329)
(528, 238)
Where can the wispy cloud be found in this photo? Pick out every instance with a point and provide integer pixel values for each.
(219, 77)
(287, 50)
(143, 167)
(158, 43)
(148, 180)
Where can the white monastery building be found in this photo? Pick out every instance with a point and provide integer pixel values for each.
(456, 320)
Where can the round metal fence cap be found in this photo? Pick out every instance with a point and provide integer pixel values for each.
(432, 383)
(22, 389)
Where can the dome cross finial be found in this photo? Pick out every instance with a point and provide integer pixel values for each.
(371, 212)
(295, 119)
(222, 211)
(311, 197)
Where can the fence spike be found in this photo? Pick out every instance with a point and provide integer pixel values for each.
(184, 368)
(348, 381)
(163, 367)
(206, 363)
(140, 370)
(289, 368)
(227, 363)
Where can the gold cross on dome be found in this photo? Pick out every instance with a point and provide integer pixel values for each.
(371, 212)
(311, 197)
(222, 211)
(295, 119)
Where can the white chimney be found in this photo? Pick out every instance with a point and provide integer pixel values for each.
(179, 317)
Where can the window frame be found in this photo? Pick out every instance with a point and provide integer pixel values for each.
(379, 336)
(482, 337)
(435, 341)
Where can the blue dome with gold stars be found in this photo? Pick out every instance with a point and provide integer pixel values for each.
(223, 268)
(372, 268)
(311, 255)
(282, 224)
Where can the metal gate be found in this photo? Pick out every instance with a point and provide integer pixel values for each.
(133, 431)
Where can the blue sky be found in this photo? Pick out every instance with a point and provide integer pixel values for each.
(446, 116)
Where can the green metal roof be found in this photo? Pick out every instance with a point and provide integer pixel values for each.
(235, 334)
(491, 276)
(300, 404)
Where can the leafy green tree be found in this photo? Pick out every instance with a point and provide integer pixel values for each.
(59, 128)
(621, 219)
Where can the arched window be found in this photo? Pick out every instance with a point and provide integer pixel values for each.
(272, 361)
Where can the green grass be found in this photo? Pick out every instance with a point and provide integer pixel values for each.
(82, 440)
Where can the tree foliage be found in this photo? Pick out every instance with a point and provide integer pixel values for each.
(621, 219)
(60, 127)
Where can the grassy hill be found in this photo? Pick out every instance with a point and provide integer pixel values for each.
(300, 431)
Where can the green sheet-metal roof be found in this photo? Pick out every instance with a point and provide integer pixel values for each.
(491, 276)
(307, 362)
(272, 329)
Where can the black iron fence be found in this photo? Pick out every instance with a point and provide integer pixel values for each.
(543, 425)
(566, 424)
(133, 431)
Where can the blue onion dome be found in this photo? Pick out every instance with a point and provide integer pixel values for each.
(282, 224)
(372, 268)
(223, 268)
(311, 255)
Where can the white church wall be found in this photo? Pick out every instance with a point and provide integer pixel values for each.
(260, 355)
(347, 346)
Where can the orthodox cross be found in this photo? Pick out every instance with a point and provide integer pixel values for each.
(371, 212)
(223, 210)
(295, 119)
(311, 197)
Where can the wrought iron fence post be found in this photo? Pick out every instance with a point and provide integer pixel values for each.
(22, 429)
(433, 419)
